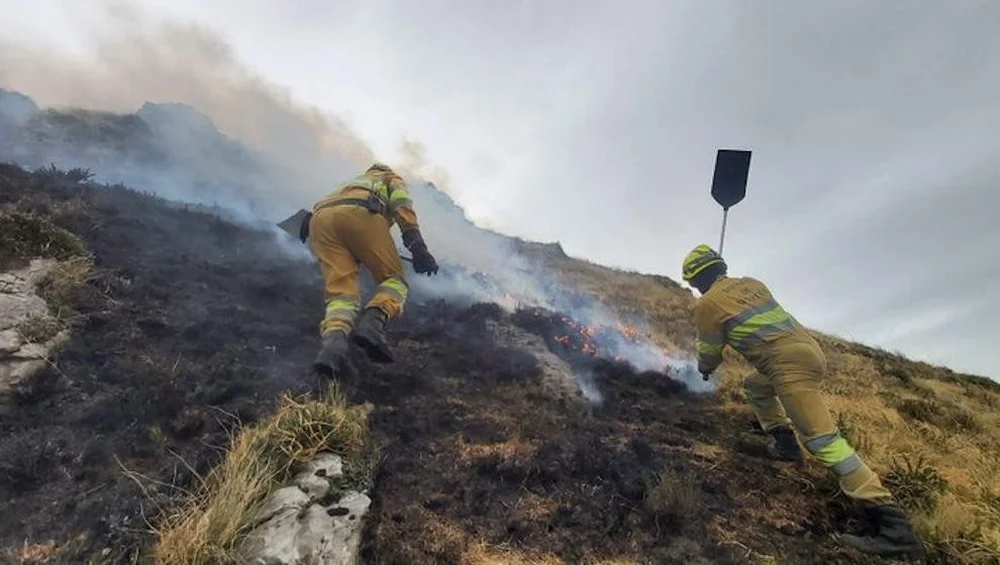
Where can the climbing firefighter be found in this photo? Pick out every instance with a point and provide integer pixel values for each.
(784, 390)
(348, 228)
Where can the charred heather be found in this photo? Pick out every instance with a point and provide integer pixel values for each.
(190, 326)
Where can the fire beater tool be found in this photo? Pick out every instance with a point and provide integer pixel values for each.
(729, 182)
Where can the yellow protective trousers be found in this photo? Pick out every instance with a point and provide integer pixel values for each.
(343, 238)
(785, 390)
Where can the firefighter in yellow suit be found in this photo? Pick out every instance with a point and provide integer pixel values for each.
(784, 390)
(348, 228)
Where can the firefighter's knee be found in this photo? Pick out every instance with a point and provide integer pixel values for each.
(756, 385)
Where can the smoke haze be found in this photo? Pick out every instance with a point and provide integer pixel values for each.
(136, 60)
(192, 124)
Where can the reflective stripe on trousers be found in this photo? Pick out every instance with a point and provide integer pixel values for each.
(340, 315)
(394, 287)
(340, 309)
(834, 452)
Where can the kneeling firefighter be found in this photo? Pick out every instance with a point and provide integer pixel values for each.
(784, 390)
(348, 228)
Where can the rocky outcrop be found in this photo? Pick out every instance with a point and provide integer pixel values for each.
(311, 521)
(28, 334)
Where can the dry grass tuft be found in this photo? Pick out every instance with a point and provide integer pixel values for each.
(33, 553)
(482, 554)
(39, 329)
(672, 500)
(515, 449)
(209, 528)
(26, 236)
(60, 286)
(941, 414)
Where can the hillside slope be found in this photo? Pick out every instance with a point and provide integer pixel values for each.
(539, 413)
(186, 317)
(485, 460)
(932, 434)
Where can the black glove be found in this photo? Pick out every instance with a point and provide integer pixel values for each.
(706, 374)
(423, 261)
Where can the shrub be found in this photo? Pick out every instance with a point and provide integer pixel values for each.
(27, 236)
(944, 415)
(916, 484)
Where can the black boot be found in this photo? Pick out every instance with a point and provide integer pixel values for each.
(785, 447)
(332, 354)
(894, 535)
(369, 333)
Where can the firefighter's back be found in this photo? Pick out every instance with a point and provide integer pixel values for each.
(758, 326)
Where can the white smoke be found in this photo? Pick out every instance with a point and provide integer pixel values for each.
(219, 136)
(492, 269)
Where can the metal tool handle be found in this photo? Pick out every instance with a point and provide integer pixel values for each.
(722, 238)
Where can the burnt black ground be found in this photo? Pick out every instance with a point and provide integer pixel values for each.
(576, 491)
(190, 320)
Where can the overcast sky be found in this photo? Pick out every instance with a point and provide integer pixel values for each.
(875, 177)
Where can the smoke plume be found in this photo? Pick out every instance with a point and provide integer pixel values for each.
(169, 109)
(138, 59)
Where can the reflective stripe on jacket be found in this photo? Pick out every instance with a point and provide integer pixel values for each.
(742, 313)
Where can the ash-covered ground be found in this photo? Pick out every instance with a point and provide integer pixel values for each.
(191, 325)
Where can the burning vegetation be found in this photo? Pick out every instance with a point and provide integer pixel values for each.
(580, 338)
(575, 338)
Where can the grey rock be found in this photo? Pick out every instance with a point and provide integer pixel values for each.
(282, 500)
(18, 304)
(295, 528)
(10, 341)
(326, 465)
(17, 308)
(31, 351)
(13, 371)
(315, 487)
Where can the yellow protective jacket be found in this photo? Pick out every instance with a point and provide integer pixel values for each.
(742, 313)
(391, 190)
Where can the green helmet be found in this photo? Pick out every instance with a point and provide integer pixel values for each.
(379, 166)
(699, 259)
